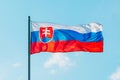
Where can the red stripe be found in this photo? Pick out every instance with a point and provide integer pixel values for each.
(66, 46)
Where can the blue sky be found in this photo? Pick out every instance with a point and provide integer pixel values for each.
(47, 66)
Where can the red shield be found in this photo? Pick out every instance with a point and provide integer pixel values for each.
(46, 34)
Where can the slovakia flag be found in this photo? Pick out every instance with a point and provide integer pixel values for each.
(49, 37)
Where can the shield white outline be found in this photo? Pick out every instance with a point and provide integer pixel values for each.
(50, 39)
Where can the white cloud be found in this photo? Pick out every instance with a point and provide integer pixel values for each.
(3, 73)
(7, 70)
(52, 71)
(115, 75)
(16, 65)
(58, 60)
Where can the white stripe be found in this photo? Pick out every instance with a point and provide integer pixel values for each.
(92, 27)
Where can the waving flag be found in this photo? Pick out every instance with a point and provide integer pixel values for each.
(49, 37)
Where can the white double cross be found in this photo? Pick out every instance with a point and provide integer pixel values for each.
(46, 32)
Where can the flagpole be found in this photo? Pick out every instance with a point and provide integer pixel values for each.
(28, 47)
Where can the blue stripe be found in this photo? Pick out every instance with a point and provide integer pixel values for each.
(61, 34)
